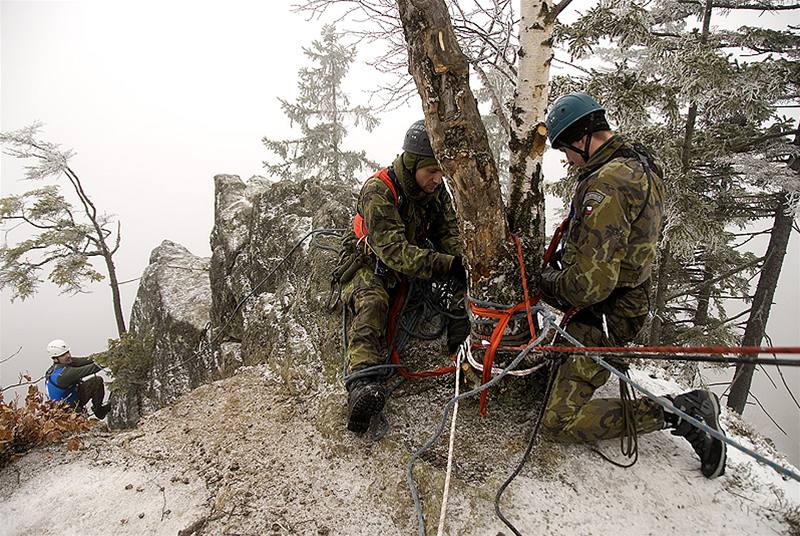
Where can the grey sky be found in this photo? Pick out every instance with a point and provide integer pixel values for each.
(158, 97)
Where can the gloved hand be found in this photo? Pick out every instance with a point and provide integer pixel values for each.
(457, 270)
(457, 332)
(547, 285)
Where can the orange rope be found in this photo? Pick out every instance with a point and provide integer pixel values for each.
(503, 317)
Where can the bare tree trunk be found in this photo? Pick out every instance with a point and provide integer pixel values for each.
(529, 135)
(762, 302)
(115, 294)
(102, 246)
(458, 137)
(704, 295)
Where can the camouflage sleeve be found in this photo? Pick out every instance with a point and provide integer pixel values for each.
(444, 230)
(387, 236)
(597, 243)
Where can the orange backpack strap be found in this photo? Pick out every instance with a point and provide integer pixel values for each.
(359, 225)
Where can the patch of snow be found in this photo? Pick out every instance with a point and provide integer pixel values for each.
(69, 493)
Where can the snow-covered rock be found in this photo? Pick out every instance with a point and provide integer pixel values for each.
(265, 298)
(230, 237)
(171, 314)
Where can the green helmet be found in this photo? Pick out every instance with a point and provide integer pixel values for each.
(566, 111)
(417, 141)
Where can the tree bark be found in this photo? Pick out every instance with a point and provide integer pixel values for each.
(108, 254)
(765, 291)
(115, 294)
(458, 137)
(660, 298)
(528, 134)
(704, 295)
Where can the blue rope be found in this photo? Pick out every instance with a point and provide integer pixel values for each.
(669, 406)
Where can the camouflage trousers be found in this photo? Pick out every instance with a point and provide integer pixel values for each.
(571, 414)
(368, 298)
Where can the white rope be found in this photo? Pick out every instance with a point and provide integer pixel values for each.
(446, 492)
(477, 365)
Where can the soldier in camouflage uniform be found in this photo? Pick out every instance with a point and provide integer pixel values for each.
(603, 270)
(403, 214)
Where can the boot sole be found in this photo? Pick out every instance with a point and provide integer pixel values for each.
(362, 411)
(719, 470)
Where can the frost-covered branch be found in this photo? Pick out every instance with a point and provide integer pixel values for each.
(60, 242)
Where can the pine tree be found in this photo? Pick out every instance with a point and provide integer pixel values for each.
(322, 113)
(681, 90)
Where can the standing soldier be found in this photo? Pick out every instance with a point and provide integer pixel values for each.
(64, 380)
(405, 227)
(604, 272)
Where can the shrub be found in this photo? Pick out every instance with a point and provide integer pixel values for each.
(38, 422)
(129, 358)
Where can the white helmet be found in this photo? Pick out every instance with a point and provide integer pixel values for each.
(57, 348)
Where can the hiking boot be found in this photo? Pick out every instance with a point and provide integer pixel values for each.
(365, 399)
(102, 411)
(703, 406)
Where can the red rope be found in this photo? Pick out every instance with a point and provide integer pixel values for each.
(503, 317)
(673, 349)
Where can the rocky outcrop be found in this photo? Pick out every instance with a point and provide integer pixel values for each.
(268, 296)
(230, 238)
(171, 315)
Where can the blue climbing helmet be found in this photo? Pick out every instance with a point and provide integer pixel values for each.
(568, 110)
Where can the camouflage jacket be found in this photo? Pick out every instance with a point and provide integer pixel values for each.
(615, 223)
(418, 237)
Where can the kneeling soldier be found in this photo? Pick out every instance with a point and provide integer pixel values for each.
(405, 227)
(604, 271)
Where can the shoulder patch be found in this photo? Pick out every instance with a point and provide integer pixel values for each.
(593, 197)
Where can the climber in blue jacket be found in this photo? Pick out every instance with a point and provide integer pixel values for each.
(64, 380)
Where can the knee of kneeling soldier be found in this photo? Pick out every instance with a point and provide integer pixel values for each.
(558, 428)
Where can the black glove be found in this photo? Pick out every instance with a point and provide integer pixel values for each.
(457, 270)
(555, 259)
(547, 288)
(547, 285)
(457, 332)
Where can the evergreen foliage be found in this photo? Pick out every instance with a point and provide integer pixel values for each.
(130, 360)
(705, 100)
(322, 113)
(61, 237)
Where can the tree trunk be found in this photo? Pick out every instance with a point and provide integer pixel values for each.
(458, 137)
(704, 294)
(765, 291)
(529, 135)
(660, 298)
(115, 294)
